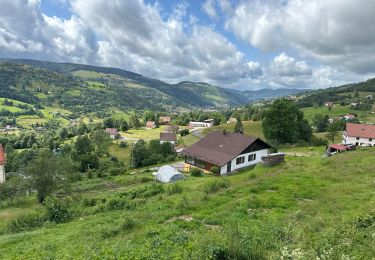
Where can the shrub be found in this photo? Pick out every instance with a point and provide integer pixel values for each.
(184, 132)
(26, 222)
(89, 202)
(215, 170)
(216, 185)
(58, 210)
(116, 204)
(123, 144)
(196, 172)
(174, 189)
(316, 141)
(128, 224)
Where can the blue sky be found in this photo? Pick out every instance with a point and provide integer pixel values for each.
(242, 44)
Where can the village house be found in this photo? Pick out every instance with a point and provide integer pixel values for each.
(329, 104)
(168, 137)
(150, 125)
(227, 151)
(165, 120)
(2, 164)
(359, 134)
(113, 133)
(232, 120)
(171, 129)
(204, 124)
(349, 117)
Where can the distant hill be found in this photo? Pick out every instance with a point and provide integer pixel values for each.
(345, 94)
(85, 88)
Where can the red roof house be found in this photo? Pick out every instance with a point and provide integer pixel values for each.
(165, 120)
(359, 134)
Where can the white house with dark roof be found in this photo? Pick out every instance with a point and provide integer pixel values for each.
(228, 151)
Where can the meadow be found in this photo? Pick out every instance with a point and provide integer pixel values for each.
(307, 208)
(337, 111)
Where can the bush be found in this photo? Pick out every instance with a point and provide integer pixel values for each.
(216, 185)
(174, 189)
(316, 141)
(26, 222)
(58, 210)
(215, 170)
(123, 144)
(184, 132)
(128, 224)
(196, 172)
(116, 204)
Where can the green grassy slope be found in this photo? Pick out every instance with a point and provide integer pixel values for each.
(307, 208)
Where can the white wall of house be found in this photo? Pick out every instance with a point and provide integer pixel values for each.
(247, 162)
(2, 174)
(360, 140)
(172, 142)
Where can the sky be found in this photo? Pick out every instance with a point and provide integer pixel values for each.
(239, 44)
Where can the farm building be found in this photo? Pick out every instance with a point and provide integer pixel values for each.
(168, 174)
(2, 164)
(329, 104)
(349, 117)
(168, 137)
(113, 133)
(228, 151)
(150, 125)
(205, 123)
(166, 120)
(359, 134)
(171, 129)
(338, 148)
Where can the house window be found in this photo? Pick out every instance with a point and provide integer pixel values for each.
(357, 138)
(190, 160)
(370, 139)
(200, 164)
(240, 160)
(252, 157)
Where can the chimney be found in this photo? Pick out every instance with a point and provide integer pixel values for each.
(224, 131)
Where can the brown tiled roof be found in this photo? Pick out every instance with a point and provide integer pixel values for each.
(218, 148)
(339, 147)
(2, 155)
(360, 130)
(168, 137)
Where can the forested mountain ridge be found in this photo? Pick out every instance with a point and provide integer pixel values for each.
(85, 88)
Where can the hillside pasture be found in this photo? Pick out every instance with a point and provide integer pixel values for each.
(302, 209)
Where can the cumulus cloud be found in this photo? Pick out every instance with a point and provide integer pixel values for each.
(210, 9)
(162, 48)
(337, 32)
(328, 42)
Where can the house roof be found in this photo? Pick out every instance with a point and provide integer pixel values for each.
(360, 130)
(150, 124)
(165, 118)
(339, 147)
(219, 148)
(2, 155)
(350, 116)
(111, 131)
(168, 137)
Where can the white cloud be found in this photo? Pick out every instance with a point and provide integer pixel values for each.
(210, 9)
(338, 33)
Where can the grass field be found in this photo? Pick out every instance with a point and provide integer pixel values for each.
(338, 110)
(123, 154)
(145, 134)
(307, 208)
